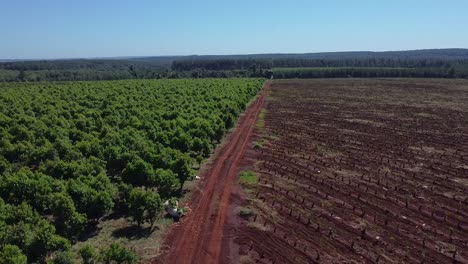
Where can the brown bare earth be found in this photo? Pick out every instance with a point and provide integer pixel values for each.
(350, 171)
(200, 236)
(359, 171)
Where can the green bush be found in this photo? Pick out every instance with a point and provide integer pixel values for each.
(65, 257)
(88, 254)
(118, 254)
(246, 212)
(144, 206)
(11, 254)
(248, 178)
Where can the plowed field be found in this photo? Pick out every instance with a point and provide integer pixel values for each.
(359, 171)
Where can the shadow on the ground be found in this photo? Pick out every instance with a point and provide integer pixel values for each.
(133, 232)
(113, 216)
(92, 229)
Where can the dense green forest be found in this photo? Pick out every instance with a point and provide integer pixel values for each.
(365, 72)
(73, 152)
(443, 63)
(226, 64)
(79, 70)
(437, 63)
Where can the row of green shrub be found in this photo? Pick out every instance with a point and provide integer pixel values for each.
(71, 153)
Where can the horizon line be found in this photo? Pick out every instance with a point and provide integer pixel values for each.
(227, 54)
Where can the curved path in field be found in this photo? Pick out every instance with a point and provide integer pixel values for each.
(198, 238)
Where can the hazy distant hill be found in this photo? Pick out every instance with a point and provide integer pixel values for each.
(167, 60)
(410, 54)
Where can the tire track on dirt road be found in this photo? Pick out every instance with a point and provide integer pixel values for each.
(198, 239)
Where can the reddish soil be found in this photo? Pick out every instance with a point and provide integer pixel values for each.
(202, 236)
(357, 171)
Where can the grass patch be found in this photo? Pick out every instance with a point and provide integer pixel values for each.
(266, 139)
(261, 119)
(325, 150)
(144, 241)
(248, 178)
(259, 144)
(322, 149)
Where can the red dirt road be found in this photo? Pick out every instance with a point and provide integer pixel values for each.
(199, 236)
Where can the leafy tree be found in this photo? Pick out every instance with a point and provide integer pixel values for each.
(68, 221)
(26, 186)
(123, 197)
(11, 254)
(166, 181)
(88, 254)
(137, 172)
(180, 140)
(60, 169)
(65, 257)
(153, 206)
(144, 206)
(25, 228)
(202, 147)
(137, 205)
(181, 165)
(65, 149)
(93, 196)
(118, 254)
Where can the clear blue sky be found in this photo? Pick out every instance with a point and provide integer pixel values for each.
(103, 28)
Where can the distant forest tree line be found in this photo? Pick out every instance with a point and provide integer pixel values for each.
(366, 72)
(78, 70)
(253, 64)
(323, 68)
(450, 63)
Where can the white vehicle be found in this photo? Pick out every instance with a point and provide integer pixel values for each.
(172, 208)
